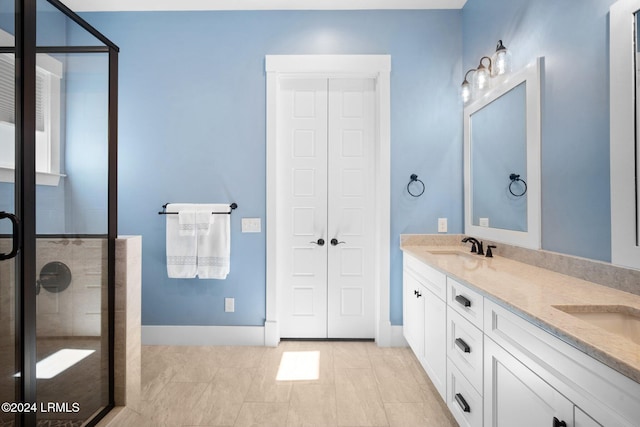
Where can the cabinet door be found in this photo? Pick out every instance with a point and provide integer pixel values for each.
(584, 420)
(435, 341)
(515, 396)
(413, 323)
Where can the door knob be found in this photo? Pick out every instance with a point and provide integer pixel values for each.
(319, 242)
(334, 242)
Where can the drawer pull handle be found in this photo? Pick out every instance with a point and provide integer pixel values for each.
(463, 403)
(558, 423)
(463, 301)
(463, 345)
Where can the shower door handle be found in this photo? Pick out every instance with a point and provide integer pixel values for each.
(16, 235)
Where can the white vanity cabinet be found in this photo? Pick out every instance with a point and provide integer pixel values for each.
(413, 313)
(495, 368)
(583, 420)
(465, 344)
(424, 290)
(527, 368)
(515, 396)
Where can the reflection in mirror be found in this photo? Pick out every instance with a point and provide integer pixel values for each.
(498, 150)
(624, 17)
(502, 161)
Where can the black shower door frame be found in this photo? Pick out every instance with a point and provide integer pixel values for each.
(25, 193)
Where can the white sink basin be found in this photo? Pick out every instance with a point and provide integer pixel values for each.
(617, 319)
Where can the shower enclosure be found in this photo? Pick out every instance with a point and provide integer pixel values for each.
(58, 130)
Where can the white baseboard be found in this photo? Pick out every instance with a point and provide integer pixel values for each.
(202, 335)
(397, 337)
(271, 334)
(232, 335)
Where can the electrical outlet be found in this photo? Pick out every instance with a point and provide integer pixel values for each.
(251, 225)
(442, 225)
(229, 305)
(484, 222)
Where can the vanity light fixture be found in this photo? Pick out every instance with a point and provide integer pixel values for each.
(501, 60)
(465, 89)
(482, 75)
(499, 65)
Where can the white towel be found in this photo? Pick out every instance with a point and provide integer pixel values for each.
(203, 220)
(181, 249)
(214, 248)
(187, 222)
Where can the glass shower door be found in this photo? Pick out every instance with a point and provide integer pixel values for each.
(58, 108)
(72, 250)
(8, 262)
(72, 221)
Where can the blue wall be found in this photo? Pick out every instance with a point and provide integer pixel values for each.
(192, 125)
(573, 36)
(192, 129)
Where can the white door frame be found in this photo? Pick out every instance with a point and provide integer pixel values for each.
(377, 67)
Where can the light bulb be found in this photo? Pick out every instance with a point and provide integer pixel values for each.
(465, 92)
(465, 88)
(481, 76)
(481, 79)
(501, 60)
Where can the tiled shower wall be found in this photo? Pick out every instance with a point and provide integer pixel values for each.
(127, 351)
(76, 311)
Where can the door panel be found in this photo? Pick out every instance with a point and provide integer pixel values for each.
(325, 171)
(302, 178)
(350, 204)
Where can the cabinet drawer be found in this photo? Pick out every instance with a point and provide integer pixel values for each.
(466, 302)
(463, 400)
(465, 348)
(431, 278)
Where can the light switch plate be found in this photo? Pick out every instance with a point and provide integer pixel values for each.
(251, 225)
(442, 225)
(229, 305)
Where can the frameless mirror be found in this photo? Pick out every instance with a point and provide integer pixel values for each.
(502, 161)
(624, 22)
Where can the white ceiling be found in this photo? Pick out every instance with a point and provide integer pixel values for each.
(147, 5)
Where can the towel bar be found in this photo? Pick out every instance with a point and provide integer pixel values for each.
(164, 210)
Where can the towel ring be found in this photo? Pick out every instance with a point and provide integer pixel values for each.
(515, 178)
(414, 178)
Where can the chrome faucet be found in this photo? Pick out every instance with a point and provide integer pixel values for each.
(476, 246)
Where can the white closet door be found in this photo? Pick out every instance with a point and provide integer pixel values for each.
(351, 118)
(325, 187)
(302, 207)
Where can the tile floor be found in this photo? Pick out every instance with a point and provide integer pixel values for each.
(358, 384)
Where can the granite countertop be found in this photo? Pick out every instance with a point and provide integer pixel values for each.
(531, 292)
